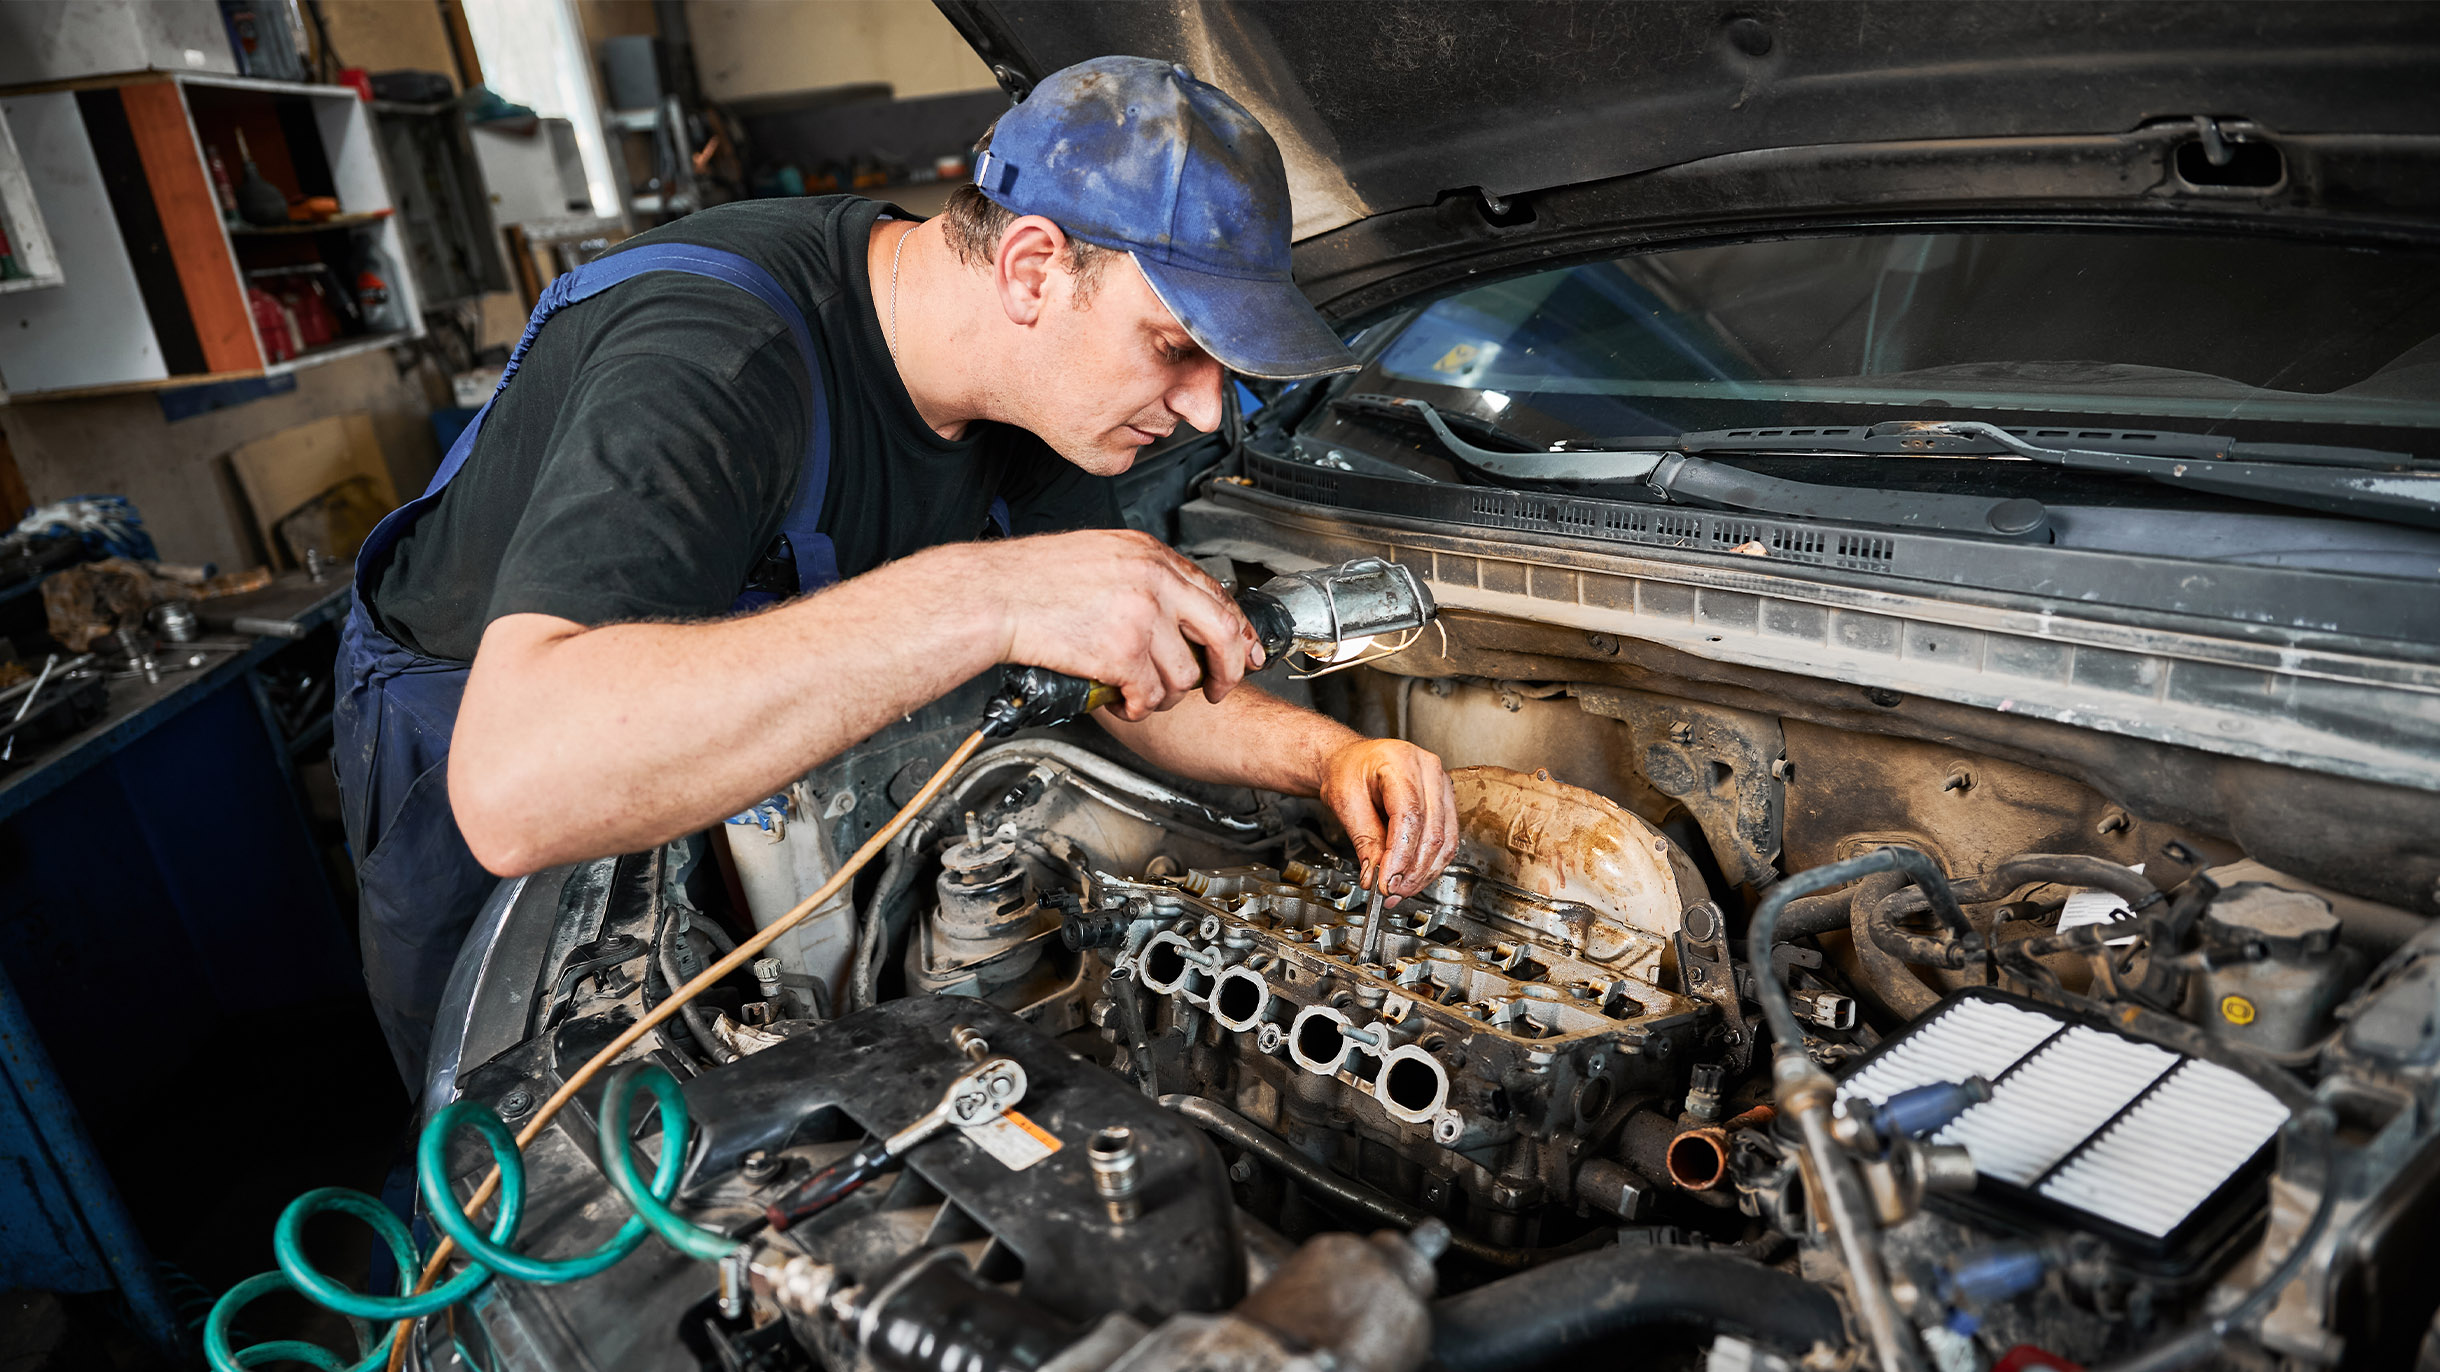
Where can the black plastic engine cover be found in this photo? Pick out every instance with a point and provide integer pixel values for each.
(880, 1069)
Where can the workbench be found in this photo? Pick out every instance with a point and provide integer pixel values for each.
(157, 871)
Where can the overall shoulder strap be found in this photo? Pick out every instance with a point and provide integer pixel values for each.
(817, 561)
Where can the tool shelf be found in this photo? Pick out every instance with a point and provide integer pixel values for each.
(153, 277)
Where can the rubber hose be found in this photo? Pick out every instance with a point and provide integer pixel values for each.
(698, 1025)
(1581, 1305)
(618, 1160)
(1271, 1148)
(1923, 950)
(2061, 869)
(1900, 991)
(1807, 915)
(2027, 869)
(432, 1172)
(488, 1253)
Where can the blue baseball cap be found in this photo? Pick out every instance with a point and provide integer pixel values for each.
(1138, 155)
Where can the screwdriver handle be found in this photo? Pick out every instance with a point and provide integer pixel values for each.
(829, 1186)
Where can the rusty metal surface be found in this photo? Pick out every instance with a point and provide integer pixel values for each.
(1565, 843)
(1966, 809)
(2360, 838)
(1723, 765)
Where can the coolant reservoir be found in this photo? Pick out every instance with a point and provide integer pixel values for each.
(783, 854)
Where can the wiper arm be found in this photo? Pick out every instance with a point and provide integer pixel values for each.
(1680, 476)
(2351, 481)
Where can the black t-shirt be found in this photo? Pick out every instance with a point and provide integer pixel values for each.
(638, 466)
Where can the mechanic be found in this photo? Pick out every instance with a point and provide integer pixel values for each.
(597, 631)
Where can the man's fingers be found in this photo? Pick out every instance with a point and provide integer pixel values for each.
(1440, 842)
(1176, 667)
(1363, 827)
(1403, 806)
(1221, 629)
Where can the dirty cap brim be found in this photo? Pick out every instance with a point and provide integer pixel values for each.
(1254, 326)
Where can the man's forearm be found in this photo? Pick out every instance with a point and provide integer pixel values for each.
(1252, 738)
(575, 742)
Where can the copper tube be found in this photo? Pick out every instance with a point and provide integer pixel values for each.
(1698, 1158)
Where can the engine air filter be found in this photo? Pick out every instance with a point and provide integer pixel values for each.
(2085, 1124)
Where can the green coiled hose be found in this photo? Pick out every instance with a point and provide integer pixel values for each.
(487, 1254)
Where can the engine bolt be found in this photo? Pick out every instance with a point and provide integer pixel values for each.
(1115, 1175)
(758, 1166)
(969, 1042)
(516, 1104)
(766, 977)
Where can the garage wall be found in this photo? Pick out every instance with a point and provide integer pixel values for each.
(753, 47)
(178, 473)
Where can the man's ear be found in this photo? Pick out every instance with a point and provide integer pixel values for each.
(1026, 266)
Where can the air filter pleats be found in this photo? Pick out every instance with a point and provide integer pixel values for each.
(2127, 1131)
(2150, 1169)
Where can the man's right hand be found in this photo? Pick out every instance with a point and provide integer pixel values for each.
(1115, 606)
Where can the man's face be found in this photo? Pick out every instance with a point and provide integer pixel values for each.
(1113, 370)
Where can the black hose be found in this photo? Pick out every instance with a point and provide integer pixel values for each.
(1923, 950)
(665, 938)
(1763, 931)
(1243, 1133)
(2025, 869)
(1820, 914)
(1581, 1305)
(1900, 992)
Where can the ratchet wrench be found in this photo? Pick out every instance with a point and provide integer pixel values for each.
(980, 1094)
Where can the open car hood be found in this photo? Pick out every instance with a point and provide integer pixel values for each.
(1382, 110)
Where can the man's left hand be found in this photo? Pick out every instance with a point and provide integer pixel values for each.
(1398, 808)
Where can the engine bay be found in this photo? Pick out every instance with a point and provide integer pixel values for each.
(2141, 1101)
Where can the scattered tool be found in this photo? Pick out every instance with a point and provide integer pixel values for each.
(979, 1095)
(27, 704)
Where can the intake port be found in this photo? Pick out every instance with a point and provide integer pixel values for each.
(1413, 1086)
(1164, 963)
(1318, 1039)
(1239, 1000)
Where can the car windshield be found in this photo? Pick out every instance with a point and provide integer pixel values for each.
(2181, 331)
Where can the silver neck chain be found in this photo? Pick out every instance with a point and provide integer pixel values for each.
(894, 258)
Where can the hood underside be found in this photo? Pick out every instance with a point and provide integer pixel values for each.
(1392, 106)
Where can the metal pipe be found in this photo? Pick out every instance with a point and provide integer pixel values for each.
(1703, 1163)
(1805, 1091)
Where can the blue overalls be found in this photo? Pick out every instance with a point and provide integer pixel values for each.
(419, 887)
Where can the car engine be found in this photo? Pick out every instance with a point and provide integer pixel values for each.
(2163, 1110)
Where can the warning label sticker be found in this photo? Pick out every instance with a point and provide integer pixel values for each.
(1016, 1141)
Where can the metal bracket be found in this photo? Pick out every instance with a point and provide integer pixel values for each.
(1706, 972)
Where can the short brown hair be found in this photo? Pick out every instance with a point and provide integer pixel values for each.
(973, 223)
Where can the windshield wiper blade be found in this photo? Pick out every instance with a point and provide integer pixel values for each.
(1675, 475)
(2357, 481)
(1949, 438)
